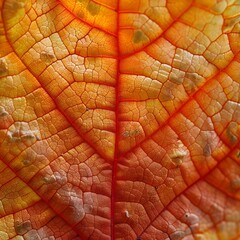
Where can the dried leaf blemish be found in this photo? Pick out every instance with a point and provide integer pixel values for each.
(139, 36)
(47, 57)
(178, 235)
(3, 112)
(207, 151)
(232, 131)
(3, 68)
(22, 227)
(93, 8)
(21, 132)
(178, 154)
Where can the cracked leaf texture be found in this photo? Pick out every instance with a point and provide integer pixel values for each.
(120, 119)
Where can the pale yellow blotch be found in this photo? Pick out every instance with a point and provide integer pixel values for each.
(3, 235)
(214, 5)
(219, 7)
(199, 237)
(93, 8)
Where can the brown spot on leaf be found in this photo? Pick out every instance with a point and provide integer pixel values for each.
(229, 24)
(131, 133)
(238, 154)
(26, 162)
(207, 151)
(22, 227)
(3, 113)
(139, 36)
(231, 132)
(235, 184)
(47, 57)
(3, 68)
(93, 8)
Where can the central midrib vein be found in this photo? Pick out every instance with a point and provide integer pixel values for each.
(114, 168)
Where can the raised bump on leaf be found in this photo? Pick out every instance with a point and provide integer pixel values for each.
(3, 112)
(22, 227)
(3, 68)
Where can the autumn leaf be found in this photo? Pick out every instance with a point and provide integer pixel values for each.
(120, 119)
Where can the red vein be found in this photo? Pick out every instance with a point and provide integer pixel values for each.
(114, 169)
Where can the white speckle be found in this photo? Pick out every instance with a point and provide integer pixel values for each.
(57, 177)
(178, 154)
(21, 131)
(49, 179)
(88, 208)
(127, 213)
(191, 220)
(60, 177)
(75, 206)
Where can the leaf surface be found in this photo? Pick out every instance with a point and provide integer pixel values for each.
(120, 119)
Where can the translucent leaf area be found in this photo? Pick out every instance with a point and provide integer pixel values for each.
(120, 119)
